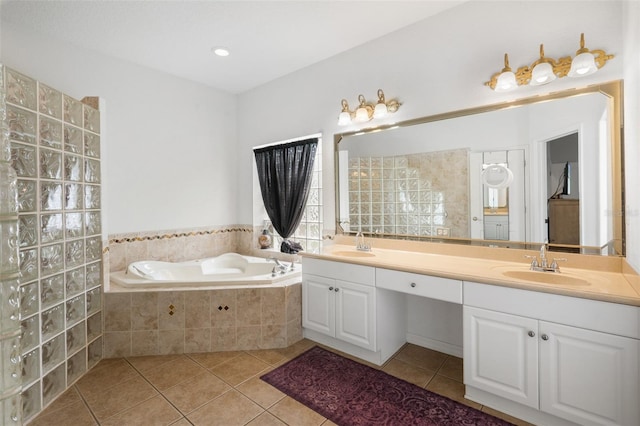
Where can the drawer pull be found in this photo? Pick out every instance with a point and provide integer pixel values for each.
(337, 289)
(531, 334)
(330, 288)
(413, 284)
(545, 337)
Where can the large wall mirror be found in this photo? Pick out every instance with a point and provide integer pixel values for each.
(515, 174)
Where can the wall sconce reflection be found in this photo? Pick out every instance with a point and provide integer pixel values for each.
(545, 69)
(367, 111)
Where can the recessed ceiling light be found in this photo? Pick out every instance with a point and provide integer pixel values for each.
(220, 51)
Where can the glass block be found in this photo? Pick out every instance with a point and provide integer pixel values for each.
(94, 352)
(52, 290)
(27, 195)
(91, 196)
(75, 309)
(74, 254)
(94, 300)
(73, 225)
(31, 401)
(11, 406)
(22, 124)
(30, 366)
(72, 139)
(28, 264)
(9, 305)
(53, 352)
(50, 196)
(11, 372)
(93, 248)
(23, 160)
(51, 228)
(72, 111)
(51, 259)
(29, 299)
(93, 223)
(50, 101)
(94, 274)
(21, 90)
(76, 337)
(53, 384)
(50, 133)
(74, 282)
(73, 168)
(91, 145)
(50, 164)
(76, 366)
(91, 119)
(30, 333)
(73, 196)
(52, 321)
(92, 171)
(28, 235)
(94, 326)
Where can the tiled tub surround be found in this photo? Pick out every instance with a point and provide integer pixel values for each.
(175, 322)
(55, 150)
(413, 194)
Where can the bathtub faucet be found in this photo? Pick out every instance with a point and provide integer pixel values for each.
(281, 266)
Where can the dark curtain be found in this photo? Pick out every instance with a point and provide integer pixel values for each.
(285, 173)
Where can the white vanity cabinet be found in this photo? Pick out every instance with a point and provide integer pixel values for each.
(343, 309)
(338, 300)
(572, 359)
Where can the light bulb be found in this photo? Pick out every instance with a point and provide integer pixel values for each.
(542, 74)
(506, 82)
(380, 110)
(583, 64)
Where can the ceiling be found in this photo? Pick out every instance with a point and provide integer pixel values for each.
(267, 39)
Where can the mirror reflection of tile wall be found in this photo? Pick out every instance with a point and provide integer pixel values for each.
(414, 194)
(55, 151)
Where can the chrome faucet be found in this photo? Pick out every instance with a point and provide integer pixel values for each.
(361, 243)
(543, 265)
(280, 266)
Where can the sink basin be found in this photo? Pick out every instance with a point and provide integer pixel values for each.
(353, 253)
(545, 277)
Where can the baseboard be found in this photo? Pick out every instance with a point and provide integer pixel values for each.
(435, 345)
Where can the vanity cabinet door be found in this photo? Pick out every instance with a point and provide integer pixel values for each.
(589, 377)
(355, 314)
(501, 354)
(318, 304)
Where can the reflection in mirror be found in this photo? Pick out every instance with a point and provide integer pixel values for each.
(511, 175)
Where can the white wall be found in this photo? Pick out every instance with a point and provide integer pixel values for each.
(169, 142)
(632, 129)
(434, 66)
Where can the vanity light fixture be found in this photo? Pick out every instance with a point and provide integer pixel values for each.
(367, 111)
(545, 70)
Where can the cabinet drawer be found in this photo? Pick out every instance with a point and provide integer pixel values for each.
(420, 285)
(339, 271)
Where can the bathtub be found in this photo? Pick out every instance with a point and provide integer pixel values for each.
(229, 270)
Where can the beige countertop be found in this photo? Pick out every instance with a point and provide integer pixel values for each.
(591, 277)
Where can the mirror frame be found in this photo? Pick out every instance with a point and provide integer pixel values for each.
(612, 90)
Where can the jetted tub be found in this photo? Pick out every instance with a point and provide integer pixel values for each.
(229, 270)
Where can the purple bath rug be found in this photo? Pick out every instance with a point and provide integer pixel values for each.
(349, 393)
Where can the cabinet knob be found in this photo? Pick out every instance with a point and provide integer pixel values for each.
(330, 288)
(413, 284)
(531, 334)
(545, 337)
(337, 289)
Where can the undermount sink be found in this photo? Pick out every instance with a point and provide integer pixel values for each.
(558, 278)
(354, 253)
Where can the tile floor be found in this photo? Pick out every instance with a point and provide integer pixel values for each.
(222, 388)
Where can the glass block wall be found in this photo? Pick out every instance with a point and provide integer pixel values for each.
(414, 194)
(10, 366)
(55, 150)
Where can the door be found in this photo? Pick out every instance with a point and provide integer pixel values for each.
(501, 354)
(318, 304)
(588, 377)
(355, 314)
